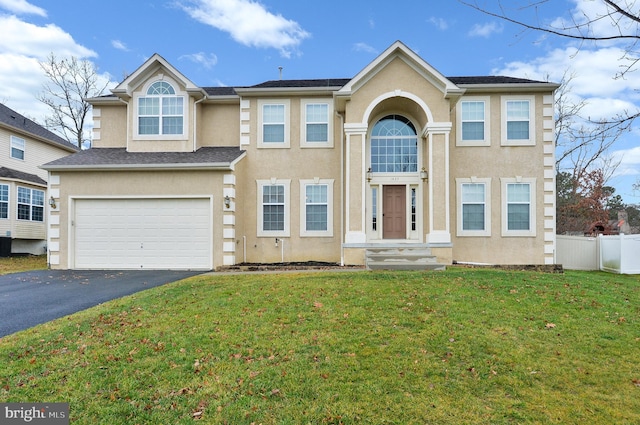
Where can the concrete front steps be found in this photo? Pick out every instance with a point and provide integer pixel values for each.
(401, 258)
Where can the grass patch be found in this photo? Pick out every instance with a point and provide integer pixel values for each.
(461, 346)
(22, 263)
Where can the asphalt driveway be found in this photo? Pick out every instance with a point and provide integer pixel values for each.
(31, 298)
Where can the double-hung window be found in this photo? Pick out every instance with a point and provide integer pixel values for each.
(316, 130)
(519, 209)
(17, 147)
(316, 207)
(273, 205)
(161, 112)
(4, 201)
(30, 204)
(518, 120)
(473, 123)
(273, 127)
(474, 206)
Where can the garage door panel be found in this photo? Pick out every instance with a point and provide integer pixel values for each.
(143, 233)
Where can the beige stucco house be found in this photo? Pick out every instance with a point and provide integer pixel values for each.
(399, 156)
(24, 147)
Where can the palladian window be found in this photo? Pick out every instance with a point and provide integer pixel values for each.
(394, 146)
(161, 111)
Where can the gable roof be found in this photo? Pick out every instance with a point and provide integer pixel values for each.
(11, 174)
(138, 77)
(14, 121)
(219, 157)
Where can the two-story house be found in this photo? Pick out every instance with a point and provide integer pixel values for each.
(182, 176)
(24, 147)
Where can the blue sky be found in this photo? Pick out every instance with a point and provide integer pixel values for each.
(243, 42)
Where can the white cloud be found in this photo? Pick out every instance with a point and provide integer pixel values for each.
(486, 30)
(206, 60)
(249, 23)
(22, 7)
(22, 46)
(439, 23)
(27, 39)
(364, 47)
(117, 44)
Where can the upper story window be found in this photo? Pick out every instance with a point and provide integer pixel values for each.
(30, 204)
(316, 129)
(473, 122)
(17, 147)
(4, 201)
(518, 120)
(394, 146)
(273, 126)
(161, 111)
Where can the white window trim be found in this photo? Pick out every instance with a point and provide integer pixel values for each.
(19, 144)
(8, 201)
(487, 207)
(185, 112)
(531, 141)
(287, 123)
(532, 207)
(487, 121)
(31, 204)
(303, 123)
(303, 208)
(287, 208)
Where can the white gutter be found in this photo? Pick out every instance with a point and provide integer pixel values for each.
(195, 127)
(341, 187)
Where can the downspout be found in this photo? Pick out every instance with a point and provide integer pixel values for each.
(127, 104)
(195, 128)
(341, 187)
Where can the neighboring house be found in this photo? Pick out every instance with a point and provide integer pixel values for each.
(182, 176)
(24, 147)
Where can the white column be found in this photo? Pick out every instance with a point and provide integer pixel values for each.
(355, 175)
(439, 228)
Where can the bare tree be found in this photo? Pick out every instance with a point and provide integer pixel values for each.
(70, 83)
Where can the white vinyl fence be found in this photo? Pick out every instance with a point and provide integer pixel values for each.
(614, 254)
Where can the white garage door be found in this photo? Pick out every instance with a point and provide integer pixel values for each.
(143, 234)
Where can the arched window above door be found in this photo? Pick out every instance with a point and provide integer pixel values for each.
(394, 146)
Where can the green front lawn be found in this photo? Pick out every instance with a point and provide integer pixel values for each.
(457, 347)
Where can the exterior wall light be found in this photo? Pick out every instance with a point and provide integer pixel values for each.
(369, 174)
(424, 175)
(52, 202)
(227, 201)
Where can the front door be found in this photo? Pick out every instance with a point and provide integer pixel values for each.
(394, 212)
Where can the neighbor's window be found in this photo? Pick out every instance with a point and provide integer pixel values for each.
(161, 111)
(4, 201)
(17, 147)
(30, 204)
(517, 126)
(316, 207)
(394, 146)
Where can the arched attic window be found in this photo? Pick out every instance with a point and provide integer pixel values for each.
(160, 111)
(394, 146)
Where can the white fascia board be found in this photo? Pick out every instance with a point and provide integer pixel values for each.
(213, 166)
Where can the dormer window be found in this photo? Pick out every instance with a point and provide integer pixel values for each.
(160, 111)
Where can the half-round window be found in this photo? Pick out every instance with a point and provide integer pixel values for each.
(159, 88)
(394, 146)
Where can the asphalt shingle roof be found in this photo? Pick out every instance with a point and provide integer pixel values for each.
(8, 173)
(97, 157)
(13, 119)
